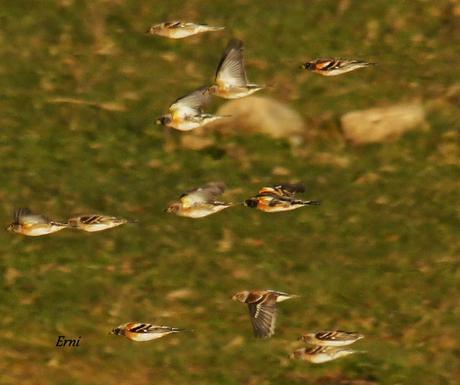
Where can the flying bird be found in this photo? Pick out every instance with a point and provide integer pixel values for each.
(334, 67)
(92, 223)
(33, 225)
(321, 354)
(180, 29)
(231, 81)
(141, 332)
(331, 338)
(200, 202)
(262, 309)
(186, 113)
(279, 198)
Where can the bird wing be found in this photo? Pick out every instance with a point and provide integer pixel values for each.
(24, 216)
(148, 328)
(267, 191)
(263, 318)
(282, 190)
(139, 328)
(326, 64)
(317, 350)
(336, 335)
(272, 199)
(190, 104)
(278, 293)
(230, 70)
(203, 194)
(94, 219)
(289, 189)
(173, 24)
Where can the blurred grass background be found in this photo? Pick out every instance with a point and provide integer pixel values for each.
(381, 255)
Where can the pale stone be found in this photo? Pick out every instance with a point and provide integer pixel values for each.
(382, 124)
(260, 114)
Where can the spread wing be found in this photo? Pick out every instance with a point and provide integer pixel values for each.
(279, 293)
(289, 189)
(283, 190)
(230, 70)
(204, 194)
(24, 216)
(267, 191)
(263, 318)
(190, 104)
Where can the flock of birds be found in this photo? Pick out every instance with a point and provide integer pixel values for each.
(186, 114)
(230, 81)
(197, 203)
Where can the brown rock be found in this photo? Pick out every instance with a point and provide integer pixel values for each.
(382, 124)
(261, 114)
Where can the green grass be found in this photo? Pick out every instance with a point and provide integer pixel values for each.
(380, 255)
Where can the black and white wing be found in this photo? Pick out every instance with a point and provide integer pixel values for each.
(263, 317)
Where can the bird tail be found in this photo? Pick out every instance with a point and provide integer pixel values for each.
(256, 86)
(360, 63)
(353, 351)
(308, 203)
(215, 28)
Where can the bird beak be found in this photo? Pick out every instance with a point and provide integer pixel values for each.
(158, 121)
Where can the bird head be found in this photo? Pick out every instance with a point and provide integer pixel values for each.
(211, 90)
(241, 296)
(251, 202)
(117, 331)
(164, 120)
(12, 227)
(308, 66)
(173, 208)
(152, 30)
